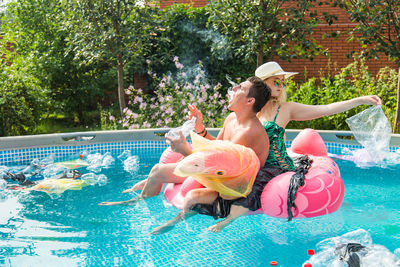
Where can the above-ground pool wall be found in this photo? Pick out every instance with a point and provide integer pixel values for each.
(22, 149)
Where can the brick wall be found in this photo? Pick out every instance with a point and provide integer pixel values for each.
(338, 48)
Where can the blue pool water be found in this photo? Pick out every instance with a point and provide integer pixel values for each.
(72, 230)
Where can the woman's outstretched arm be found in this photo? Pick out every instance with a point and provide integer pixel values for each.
(301, 112)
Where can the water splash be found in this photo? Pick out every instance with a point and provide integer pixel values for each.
(372, 130)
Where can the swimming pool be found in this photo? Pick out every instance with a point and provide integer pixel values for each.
(72, 230)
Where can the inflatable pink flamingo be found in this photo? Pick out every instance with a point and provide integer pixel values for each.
(323, 190)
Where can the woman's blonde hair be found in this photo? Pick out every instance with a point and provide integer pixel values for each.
(268, 109)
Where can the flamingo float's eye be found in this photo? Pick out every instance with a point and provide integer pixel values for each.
(220, 172)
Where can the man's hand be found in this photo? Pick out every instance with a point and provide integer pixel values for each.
(179, 145)
(194, 112)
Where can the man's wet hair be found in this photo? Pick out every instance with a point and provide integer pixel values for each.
(260, 91)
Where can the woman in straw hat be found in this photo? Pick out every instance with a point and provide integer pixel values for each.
(277, 113)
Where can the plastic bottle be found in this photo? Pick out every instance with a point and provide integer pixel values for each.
(186, 128)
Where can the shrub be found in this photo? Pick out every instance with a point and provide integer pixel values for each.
(22, 98)
(167, 105)
(352, 81)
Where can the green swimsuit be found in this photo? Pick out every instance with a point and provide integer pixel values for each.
(277, 155)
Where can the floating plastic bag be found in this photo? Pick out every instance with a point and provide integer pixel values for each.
(371, 129)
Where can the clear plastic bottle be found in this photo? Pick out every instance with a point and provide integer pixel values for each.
(186, 128)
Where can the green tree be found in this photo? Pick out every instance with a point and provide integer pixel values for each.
(42, 36)
(110, 31)
(378, 30)
(22, 97)
(261, 29)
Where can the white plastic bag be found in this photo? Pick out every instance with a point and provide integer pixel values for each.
(371, 129)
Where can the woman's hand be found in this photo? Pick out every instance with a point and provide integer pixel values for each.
(179, 144)
(194, 112)
(370, 100)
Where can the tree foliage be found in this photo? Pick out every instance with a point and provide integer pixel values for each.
(22, 99)
(111, 31)
(263, 29)
(42, 36)
(378, 30)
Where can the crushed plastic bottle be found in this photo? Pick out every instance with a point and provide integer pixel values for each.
(101, 180)
(131, 164)
(53, 170)
(126, 154)
(186, 128)
(89, 178)
(331, 252)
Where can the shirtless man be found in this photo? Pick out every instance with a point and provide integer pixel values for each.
(241, 127)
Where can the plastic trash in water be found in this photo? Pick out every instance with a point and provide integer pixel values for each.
(332, 251)
(89, 178)
(372, 129)
(108, 160)
(32, 167)
(186, 128)
(47, 160)
(126, 154)
(101, 180)
(98, 161)
(92, 179)
(131, 164)
(3, 170)
(53, 170)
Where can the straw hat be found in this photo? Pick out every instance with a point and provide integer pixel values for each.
(271, 69)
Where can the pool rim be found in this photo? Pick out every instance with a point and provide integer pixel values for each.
(154, 134)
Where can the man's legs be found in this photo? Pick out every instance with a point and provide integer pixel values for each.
(236, 212)
(159, 174)
(195, 196)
